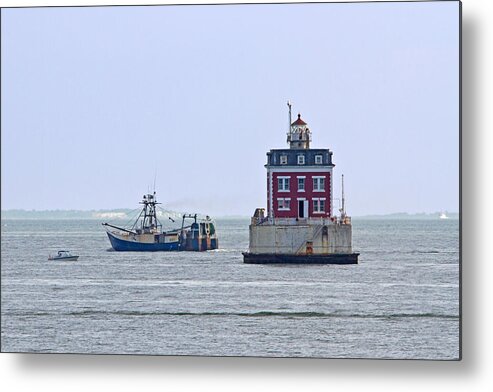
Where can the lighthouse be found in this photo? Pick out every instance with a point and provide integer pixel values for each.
(299, 179)
(299, 225)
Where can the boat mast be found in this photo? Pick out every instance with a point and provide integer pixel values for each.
(150, 215)
(145, 212)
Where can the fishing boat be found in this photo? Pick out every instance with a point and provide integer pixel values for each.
(64, 255)
(443, 215)
(147, 234)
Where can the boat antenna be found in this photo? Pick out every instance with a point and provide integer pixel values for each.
(155, 175)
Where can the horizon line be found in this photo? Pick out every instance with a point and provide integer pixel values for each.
(232, 214)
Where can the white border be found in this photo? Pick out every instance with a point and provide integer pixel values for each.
(46, 372)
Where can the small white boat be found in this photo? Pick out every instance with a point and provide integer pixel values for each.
(443, 215)
(64, 255)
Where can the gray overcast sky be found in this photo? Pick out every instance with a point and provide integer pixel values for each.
(95, 101)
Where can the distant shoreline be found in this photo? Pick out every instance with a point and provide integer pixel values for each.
(125, 214)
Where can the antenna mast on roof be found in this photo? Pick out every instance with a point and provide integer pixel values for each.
(289, 125)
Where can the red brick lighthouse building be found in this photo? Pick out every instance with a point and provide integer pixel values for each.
(299, 226)
(299, 179)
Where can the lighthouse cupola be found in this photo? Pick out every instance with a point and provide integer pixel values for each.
(299, 135)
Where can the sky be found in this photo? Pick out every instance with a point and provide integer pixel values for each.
(100, 103)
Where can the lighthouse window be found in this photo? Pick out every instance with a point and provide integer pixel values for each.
(319, 205)
(283, 184)
(284, 159)
(319, 184)
(318, 159)
(283, 204)
(301, 184)
(301, 159)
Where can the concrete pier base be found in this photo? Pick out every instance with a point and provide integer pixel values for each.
(272, 258)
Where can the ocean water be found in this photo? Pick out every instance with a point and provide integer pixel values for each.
(401, 301)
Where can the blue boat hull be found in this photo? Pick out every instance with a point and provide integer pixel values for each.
(134, 246)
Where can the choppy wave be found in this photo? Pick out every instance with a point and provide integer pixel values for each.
(403, 252)
(291, 314)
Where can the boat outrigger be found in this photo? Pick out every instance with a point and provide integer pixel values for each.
(147, 235)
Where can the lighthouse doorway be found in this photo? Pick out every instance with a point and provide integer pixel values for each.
(302, 208)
